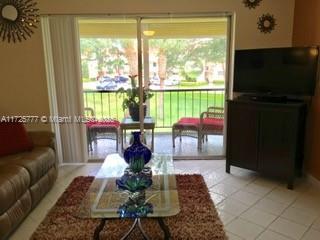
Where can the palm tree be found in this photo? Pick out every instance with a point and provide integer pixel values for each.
(162, 70)
(162, 65)
(130, 53)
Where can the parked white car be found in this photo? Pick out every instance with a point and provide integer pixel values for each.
(155, 80)
(173, 80)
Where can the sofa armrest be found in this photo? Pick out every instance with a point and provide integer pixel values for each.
(42, 138)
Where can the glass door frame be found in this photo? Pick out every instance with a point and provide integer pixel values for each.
(231, 20)
(228, 71)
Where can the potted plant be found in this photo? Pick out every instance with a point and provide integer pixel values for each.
(131, 100)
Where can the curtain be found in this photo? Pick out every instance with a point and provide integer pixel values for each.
(61, 43)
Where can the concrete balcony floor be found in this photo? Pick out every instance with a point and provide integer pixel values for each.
(163, 145)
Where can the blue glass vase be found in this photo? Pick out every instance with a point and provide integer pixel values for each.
(137, 150)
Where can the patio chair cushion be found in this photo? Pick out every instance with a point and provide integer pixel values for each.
(213, 124)
(103, 124)
(189, 121)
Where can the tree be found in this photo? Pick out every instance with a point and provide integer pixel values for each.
(213, 50)
(95, 49)
(171, 55)
(174, 53)
(131, 55)
(112, 54)
(116, 59)
(162, 66)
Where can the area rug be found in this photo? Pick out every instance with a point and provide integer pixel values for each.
(198, 218)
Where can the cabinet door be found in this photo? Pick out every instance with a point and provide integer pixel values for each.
(277, 141)
(242, 136)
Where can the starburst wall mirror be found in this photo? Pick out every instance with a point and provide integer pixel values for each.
(18, 19)
(251, 4)
(266, 23)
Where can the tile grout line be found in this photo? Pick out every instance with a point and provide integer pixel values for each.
(263, 197)
(310, 228)
(277, 217)
(267, 228)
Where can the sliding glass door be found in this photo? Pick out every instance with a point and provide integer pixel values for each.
(180, 62)
(185, 68)
(109, 56)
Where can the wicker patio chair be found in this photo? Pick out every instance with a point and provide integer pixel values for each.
(186, 126)
(101, 129)
(211, 123)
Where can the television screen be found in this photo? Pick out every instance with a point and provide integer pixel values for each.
(285, 71)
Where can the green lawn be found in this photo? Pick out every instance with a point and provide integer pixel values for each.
(166, 112)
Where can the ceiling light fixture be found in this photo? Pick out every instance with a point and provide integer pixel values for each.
(149, 33)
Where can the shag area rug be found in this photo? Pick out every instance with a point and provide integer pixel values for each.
(198, 218)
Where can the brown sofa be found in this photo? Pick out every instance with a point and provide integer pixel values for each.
(25, 178)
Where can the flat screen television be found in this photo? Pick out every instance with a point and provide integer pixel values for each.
(279, 71)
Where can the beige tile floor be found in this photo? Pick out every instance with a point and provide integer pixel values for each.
(250, 206)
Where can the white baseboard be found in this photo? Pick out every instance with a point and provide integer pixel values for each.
(315, 182)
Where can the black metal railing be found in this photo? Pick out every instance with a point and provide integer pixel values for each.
(166, 106)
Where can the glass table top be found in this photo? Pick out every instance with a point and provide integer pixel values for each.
(103, 198)
(129, 121)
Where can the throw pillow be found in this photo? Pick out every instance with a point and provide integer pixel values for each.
(13, 138)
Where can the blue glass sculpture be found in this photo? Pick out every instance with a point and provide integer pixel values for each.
(136, 179)
(134, 183)
(137, 150)
(136, 205)
(132, 210)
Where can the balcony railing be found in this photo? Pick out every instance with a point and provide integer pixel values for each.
(166, 106)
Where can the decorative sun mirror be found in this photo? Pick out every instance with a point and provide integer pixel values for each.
(266, 23)
(18, 18)
(251, 3)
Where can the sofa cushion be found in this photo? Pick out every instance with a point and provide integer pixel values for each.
(41, 187)
(14, 183)
(14, 215)
(37, 162)
(13, 138)
(42, 138)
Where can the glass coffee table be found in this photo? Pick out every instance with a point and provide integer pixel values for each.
(103, 198)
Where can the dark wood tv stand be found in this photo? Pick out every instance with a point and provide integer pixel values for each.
(266, 137)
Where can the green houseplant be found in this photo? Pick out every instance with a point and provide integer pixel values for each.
(131, 99)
